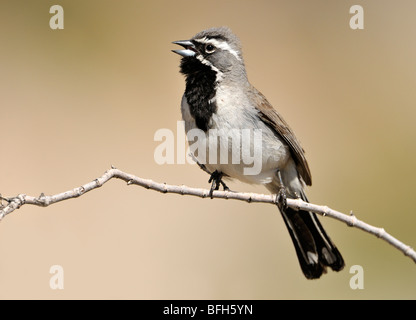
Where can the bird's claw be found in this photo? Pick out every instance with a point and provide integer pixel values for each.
(282, 198)
(216, 182)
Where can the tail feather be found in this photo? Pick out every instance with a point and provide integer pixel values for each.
(314, 248)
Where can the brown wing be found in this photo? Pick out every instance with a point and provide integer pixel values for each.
(275, 121)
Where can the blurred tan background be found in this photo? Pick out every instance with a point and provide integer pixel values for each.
(75, 101)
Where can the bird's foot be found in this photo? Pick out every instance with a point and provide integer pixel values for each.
(281, 199)
(216, 182)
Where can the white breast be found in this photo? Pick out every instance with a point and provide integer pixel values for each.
(233, 116)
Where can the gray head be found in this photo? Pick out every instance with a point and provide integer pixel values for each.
(216, 48)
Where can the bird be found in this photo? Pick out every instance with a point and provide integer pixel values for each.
(219, 97)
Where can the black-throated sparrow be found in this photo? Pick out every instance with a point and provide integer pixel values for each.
(218, 96)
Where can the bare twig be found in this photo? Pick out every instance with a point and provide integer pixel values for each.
(11, 204)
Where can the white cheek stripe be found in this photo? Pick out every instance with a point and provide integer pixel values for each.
(209, 64)
(221, 45)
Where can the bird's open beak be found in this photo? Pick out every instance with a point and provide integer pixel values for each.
(189, 48)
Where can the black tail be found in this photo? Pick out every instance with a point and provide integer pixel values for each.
(314, 248)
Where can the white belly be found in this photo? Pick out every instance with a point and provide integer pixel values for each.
(238, 121)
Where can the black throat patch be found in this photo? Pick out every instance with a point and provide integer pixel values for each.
(200, 90)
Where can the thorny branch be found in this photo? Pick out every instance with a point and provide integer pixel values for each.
(8, 205)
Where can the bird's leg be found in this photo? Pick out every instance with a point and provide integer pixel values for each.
(281, 196)
(213, 176)
(216, 181)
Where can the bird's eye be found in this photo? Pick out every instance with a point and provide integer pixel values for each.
(209, 48)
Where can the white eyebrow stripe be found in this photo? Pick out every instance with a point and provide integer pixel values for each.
(221, 45)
